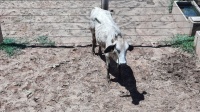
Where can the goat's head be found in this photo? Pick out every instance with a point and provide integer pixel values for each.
(120, 48)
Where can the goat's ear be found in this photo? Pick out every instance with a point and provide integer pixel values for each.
(130, 48)
(109, 48)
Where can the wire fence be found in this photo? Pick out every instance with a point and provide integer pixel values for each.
(129, 19)
(82, 7)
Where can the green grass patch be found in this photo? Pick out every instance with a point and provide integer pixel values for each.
(43, 40)
(185, 42)
(10, 46)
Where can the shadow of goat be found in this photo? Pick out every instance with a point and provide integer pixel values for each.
(125, 78)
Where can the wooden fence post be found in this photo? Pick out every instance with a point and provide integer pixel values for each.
(105, 4)
(1, 36)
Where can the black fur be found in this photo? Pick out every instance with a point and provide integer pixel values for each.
(130, 48)
(109, 48)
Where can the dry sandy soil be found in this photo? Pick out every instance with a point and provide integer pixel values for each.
(60, 79)
(72, 79)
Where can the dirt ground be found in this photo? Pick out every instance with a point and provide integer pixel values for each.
(63, 80)
(72, 79)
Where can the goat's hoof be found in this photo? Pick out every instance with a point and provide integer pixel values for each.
(99, 53)
(93, 53)
(109, 81)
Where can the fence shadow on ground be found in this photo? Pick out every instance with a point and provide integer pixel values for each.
(126, 79)
(23, 46)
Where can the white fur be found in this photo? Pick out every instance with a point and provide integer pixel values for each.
(105, 31)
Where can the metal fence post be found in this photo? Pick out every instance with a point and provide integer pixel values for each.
(105, 4)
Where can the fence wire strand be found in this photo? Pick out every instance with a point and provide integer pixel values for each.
(112, 6)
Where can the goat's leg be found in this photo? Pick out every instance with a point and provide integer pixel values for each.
(108, 67)
(93, 45)
(93, 41)
(108, 76)
(100, 52)
(119, 78)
